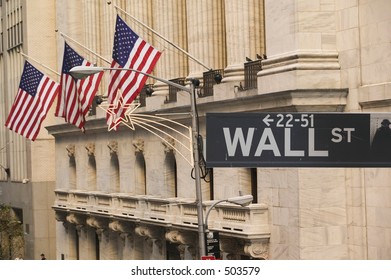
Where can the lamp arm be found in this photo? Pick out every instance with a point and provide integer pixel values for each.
(210, 209)
(153, 77)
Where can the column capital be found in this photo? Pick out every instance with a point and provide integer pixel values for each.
(257, 249)
(180, 237)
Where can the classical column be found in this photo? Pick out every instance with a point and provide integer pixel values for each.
(170, 22)
(244, 24)
(91, 26)
(206, 35)
(141, 10)
(153, 238)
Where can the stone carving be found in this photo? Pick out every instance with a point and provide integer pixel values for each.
(75, 219)
(138, 145)
(178, 237)
(257, 249)
(90, 147)
(148, 232)
(120, 226)
(97, 223)
(113, 147)
(71, 150)
(168, 144)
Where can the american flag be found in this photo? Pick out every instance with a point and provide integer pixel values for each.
(76, 96)
(129, 51)
(34, 98)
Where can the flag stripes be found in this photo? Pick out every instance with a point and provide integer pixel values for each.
(29, 109)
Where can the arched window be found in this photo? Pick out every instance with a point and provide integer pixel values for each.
(91, 173)
(140, 174)
(114, 173)
(170, 175)
(72, 173)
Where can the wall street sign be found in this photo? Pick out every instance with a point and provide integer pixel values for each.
(298, 140)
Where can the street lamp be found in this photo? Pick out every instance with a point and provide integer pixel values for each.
(81, 72)
(243, 201)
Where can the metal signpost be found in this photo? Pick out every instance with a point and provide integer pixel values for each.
(212, 244)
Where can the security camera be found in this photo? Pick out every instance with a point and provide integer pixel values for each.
(98, 100)
(25, 181)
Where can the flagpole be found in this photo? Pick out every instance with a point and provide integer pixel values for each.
(84, 47)
(46, 67)
(165, 39)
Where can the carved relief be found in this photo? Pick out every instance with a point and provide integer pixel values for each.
(90, 147)
(113, 147)
(71, 150)
(257, 249)
(97, 223)
(75, 219)
(149, 232)
(119, 226)
(138, 145)
(178, 237)
(168, 144)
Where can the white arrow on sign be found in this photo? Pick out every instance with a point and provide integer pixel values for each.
(267, 120)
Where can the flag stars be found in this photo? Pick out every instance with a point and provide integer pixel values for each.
(124, 40)
(71, 59)
(31, 78)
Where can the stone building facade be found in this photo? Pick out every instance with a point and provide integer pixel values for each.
(29, 185)
(130, 195)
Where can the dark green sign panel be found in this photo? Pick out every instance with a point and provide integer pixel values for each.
(298, 140)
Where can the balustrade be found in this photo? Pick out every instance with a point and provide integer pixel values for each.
(228, 218)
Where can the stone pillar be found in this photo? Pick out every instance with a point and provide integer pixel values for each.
(245, 30)
(87, 250)
(206, 35)
(154, 153)
(108, 244)
(300, 43)
(229, 184)
(92, 35)
(154, 248)
(141, 10)
(170, 21)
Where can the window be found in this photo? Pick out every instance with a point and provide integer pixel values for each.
(114, 173)
(91, 173)
(140, 173)
(14, 23)
(170, 175)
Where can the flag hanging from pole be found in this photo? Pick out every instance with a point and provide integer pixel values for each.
(76, 96)
(34, 98)
(129, 51)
